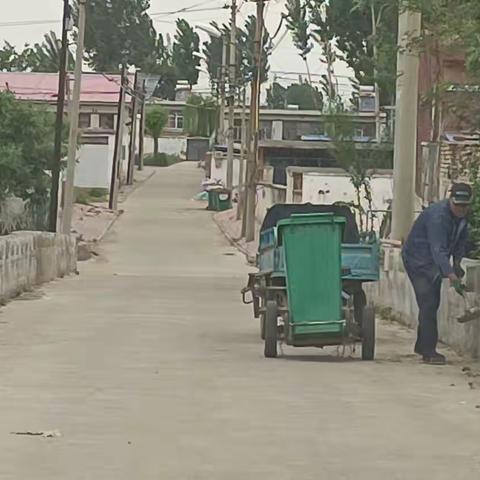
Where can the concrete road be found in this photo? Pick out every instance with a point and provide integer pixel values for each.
(151, 368)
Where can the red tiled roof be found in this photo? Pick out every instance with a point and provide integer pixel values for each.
(42, 87)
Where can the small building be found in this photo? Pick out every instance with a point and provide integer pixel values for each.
(97, 119)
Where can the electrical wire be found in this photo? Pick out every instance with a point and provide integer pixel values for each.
(26, 23)
(198, 7)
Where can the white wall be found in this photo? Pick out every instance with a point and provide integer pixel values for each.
(327, 188)
(394, 291)
(170, 146)
(219, 169)
(94, 167)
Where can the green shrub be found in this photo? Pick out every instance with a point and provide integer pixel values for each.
(161, 160)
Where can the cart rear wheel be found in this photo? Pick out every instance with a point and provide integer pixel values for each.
(262, 326)
(271, 329)
(368, 333)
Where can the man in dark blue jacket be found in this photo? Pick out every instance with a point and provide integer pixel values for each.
(433, 251)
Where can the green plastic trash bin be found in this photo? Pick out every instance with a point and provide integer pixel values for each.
(219, 199)
(312, 249)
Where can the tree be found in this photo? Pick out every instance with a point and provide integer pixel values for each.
(160, 63)
(45, 57)
(357, 27)
(42, 57)
(12, 60)
(303, 95)
(26, 149)
(156, 120)
(277, 96)
(200, 116)
(246, 45)
(186, 43)
(298, 25)
(119, 31)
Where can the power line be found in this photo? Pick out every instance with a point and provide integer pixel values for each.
(22, 23)
(198, 7)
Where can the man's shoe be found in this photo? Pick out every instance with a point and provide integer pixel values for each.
(435, 359)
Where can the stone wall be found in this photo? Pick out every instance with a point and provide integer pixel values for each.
(31, 258)
(395, 292)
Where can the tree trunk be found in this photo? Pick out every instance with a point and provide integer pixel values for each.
(155, 146)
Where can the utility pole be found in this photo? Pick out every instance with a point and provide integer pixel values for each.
(231, 97)
(134, 130)
(141, 148)
(57, 158)
(117, 153)
(241, 186)
(221, 122)
(405, 153)
(254, 126)
(72, 143)
(378, 124)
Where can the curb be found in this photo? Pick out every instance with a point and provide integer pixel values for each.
(251, 260)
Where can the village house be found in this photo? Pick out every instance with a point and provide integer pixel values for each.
(97, 120)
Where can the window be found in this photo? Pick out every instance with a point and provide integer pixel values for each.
(175, 121)
(84, 120)
(91, 140)
(107, 121)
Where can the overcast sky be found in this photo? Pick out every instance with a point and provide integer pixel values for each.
(284, 59)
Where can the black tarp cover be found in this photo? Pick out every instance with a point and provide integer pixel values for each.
(281, 211)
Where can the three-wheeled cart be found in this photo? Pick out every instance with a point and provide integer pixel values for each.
(308, 291)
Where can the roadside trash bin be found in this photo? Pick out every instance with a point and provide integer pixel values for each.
(219, 199)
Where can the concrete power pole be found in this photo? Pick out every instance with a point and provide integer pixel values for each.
(241, 186)
(251, 196)
(405, 154)
(231, 96)
(117, 154)
(141, 147)
(134, 131)
(72, 143)
(221, 122)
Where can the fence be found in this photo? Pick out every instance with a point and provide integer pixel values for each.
(17, 214)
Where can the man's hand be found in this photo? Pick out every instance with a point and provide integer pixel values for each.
(456, 283)
(459, 271)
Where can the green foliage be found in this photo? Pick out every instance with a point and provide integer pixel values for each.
(42, 57)
(349, 23)
(186, 43)
(156, 120)
(246, 45)
(119, 31)
(298, 25)
(301, 94)
(200, 116)
(357, 162)
(26, 149)
(161, 160)
(212, 49)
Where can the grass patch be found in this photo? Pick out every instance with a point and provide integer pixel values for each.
(91, 195)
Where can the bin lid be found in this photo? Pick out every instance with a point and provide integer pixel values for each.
(312, 218)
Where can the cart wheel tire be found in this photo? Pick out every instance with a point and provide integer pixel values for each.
(271, 329)
(262, 326)
(368, 333)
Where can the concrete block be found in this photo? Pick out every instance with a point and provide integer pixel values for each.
(395, 292)
(31, 258)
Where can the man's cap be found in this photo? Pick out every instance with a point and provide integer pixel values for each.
(461, 194)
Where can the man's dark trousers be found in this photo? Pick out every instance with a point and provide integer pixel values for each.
(427, 292)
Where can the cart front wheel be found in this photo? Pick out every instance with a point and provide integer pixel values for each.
(271, 329)
(368, 333)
